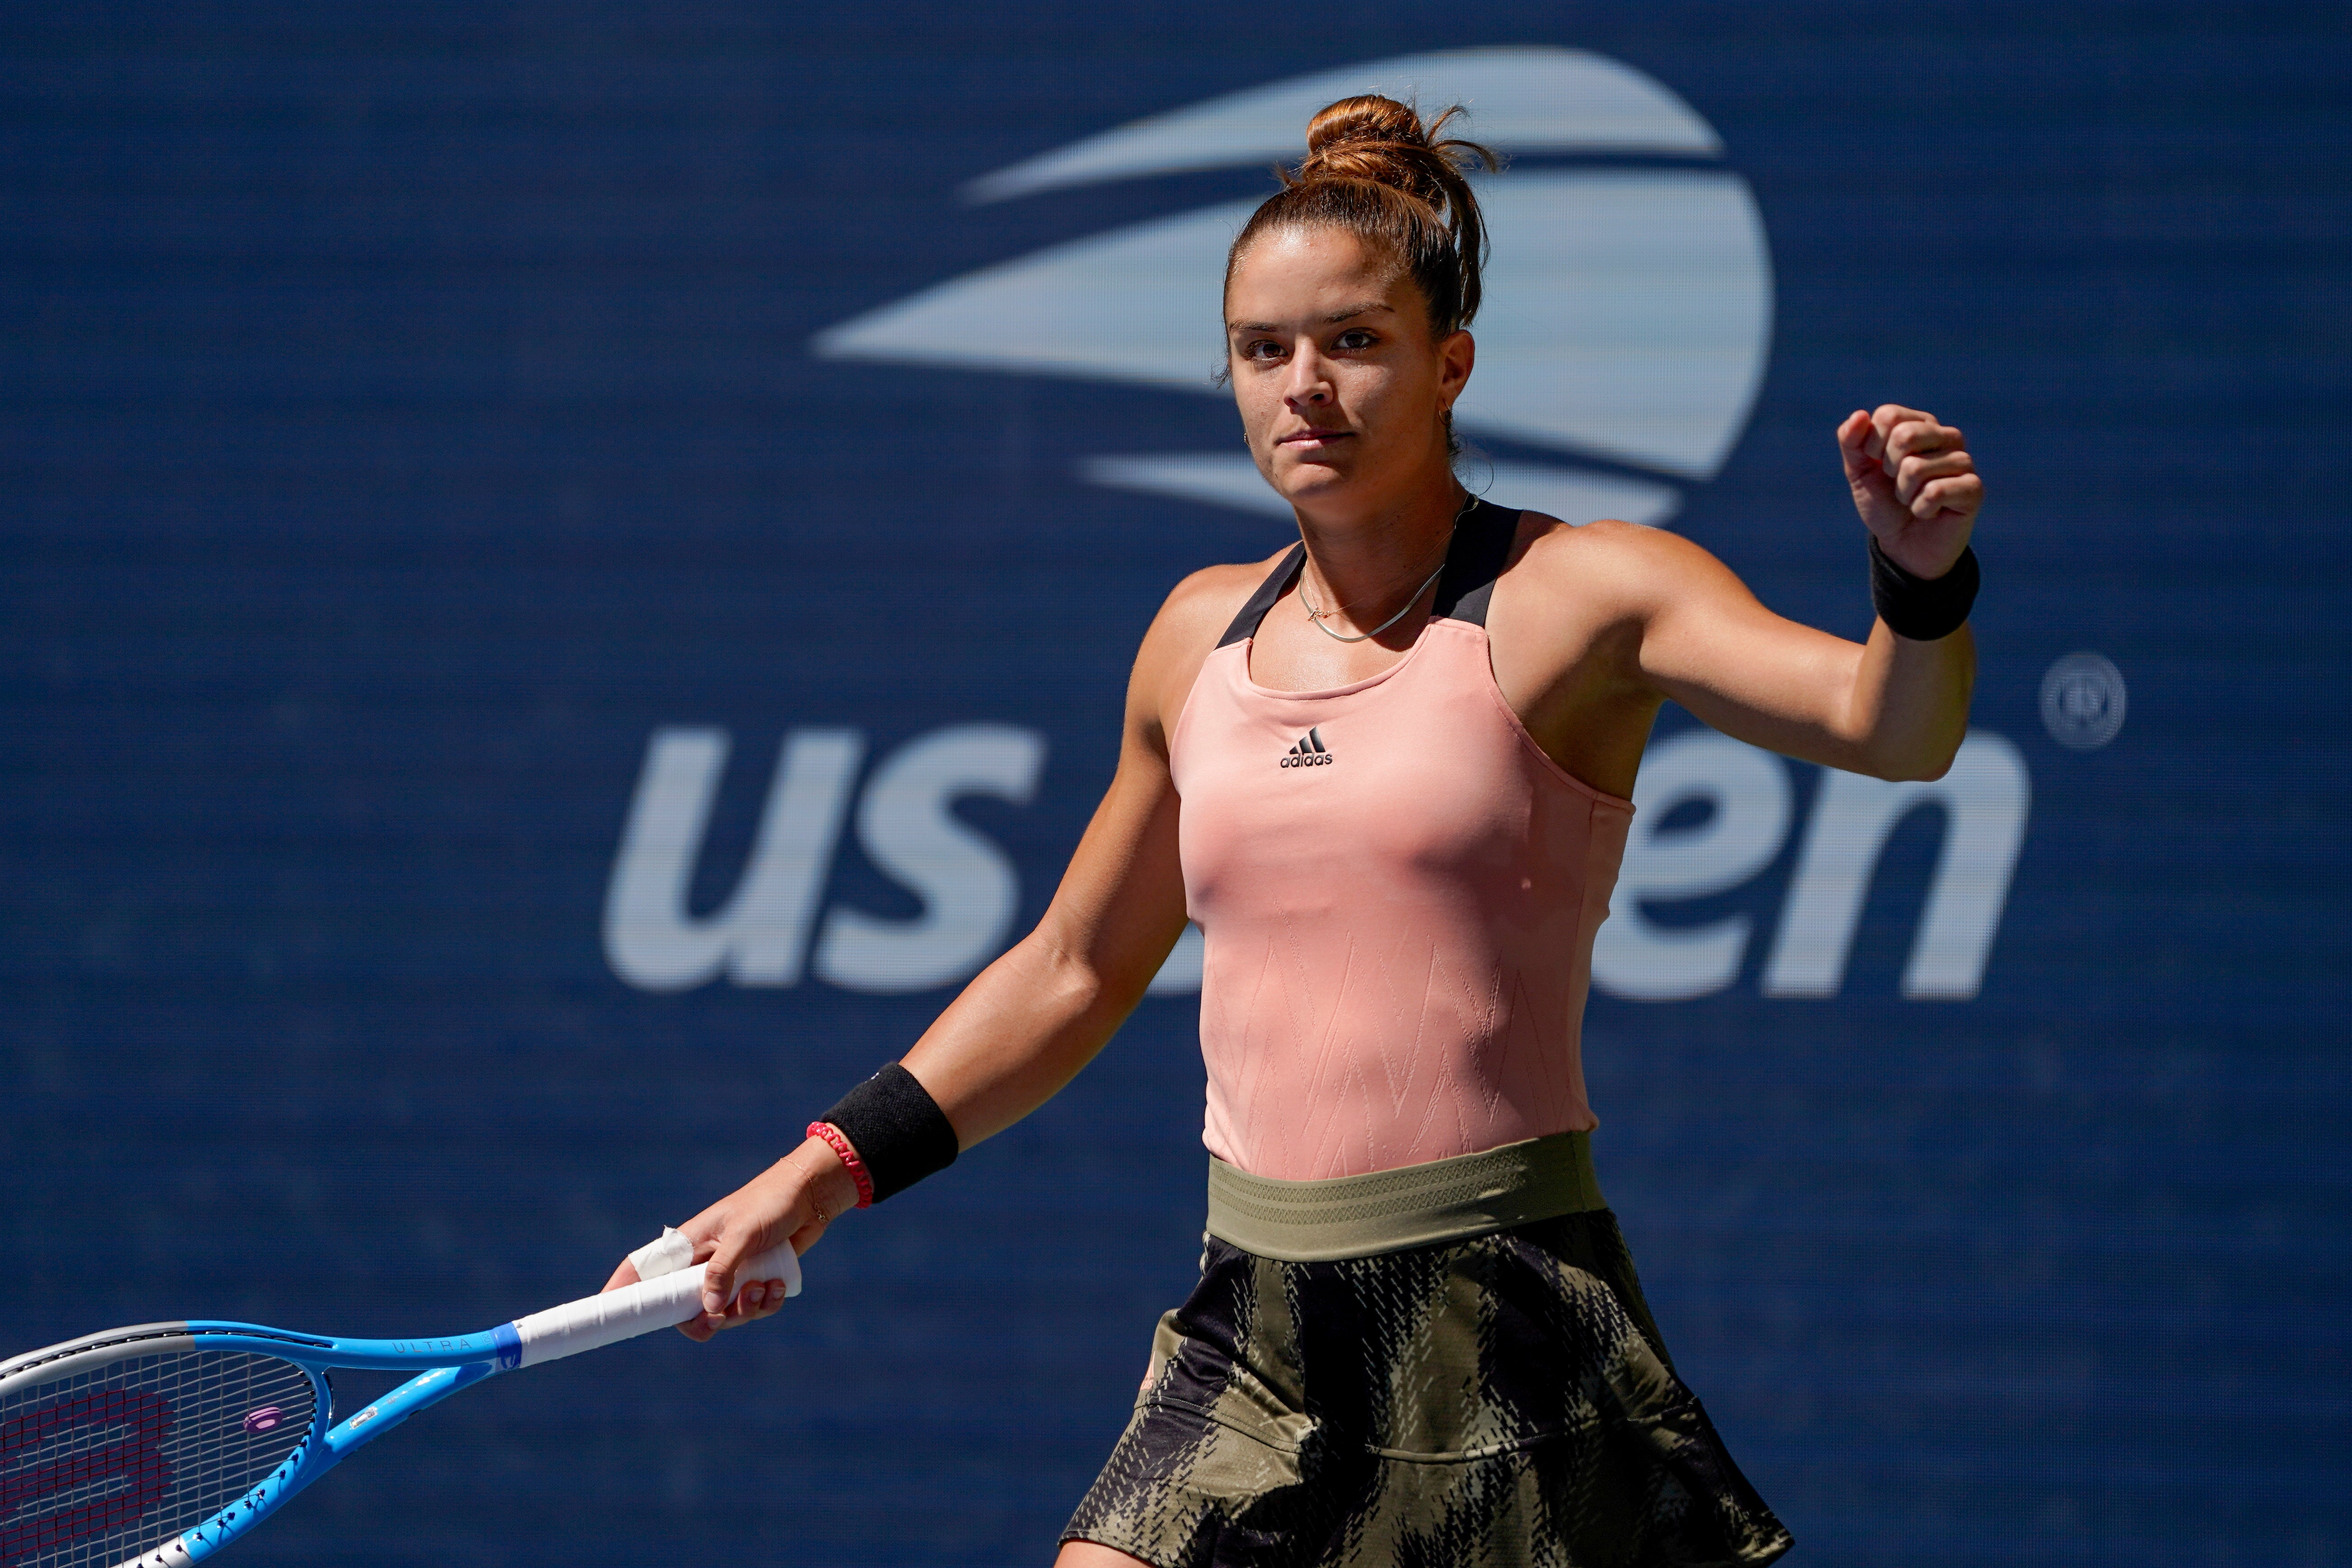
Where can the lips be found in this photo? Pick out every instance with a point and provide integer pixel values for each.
(1318, 437)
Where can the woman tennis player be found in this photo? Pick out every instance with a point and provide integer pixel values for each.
(1387, 772)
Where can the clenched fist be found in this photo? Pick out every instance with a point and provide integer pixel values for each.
(1915, 484)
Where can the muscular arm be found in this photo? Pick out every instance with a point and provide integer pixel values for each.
(1031, 1020)
(1892, 707)
(1652, 616)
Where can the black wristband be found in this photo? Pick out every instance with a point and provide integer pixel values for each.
(900, 1133)
(1922, 608)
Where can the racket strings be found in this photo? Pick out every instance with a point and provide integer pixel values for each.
(101, 1465)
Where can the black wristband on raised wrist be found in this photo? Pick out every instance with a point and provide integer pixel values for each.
(1922, 608)
(900, 1133)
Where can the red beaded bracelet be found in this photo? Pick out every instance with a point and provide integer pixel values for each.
(858, 1170)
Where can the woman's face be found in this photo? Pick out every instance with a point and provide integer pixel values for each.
(1341, 389)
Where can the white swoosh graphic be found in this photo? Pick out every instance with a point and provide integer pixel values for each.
(1526, 100)
(1628, 313)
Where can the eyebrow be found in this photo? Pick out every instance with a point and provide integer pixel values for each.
(1368, 307)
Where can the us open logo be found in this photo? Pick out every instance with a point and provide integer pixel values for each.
(1629, 297)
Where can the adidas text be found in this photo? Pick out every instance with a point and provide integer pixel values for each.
(1309, 752)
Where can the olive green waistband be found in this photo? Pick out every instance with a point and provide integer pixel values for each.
(1413, 1205)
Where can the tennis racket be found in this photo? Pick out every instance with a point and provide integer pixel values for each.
(155, 1446)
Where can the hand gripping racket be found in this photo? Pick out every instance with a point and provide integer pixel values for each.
(155, 1446)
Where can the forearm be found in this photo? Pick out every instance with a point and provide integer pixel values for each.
(1916, 488)
(1015, 1035)
(1018, 1033)
(1907, 708)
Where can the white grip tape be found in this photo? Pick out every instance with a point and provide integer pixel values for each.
(597, 1320)
(667, 1253)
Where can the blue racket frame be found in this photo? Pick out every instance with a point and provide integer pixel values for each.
(457, 1362)
(442, 1367)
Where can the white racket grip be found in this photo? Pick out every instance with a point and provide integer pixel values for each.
(593, 1322)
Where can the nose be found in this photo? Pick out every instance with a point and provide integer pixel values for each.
(1308, 386)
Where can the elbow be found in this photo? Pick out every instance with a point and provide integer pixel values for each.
(1062, 973)
(1923, 773)
(1071, 976)
(1914, 765)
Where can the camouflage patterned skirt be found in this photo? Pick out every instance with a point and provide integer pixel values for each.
(1497, 1399)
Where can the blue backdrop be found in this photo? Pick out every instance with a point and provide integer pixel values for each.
(430, 430)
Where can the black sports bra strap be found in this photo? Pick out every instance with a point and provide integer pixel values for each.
(1481, 549)
(1245, 623)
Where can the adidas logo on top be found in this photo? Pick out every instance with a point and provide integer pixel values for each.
(1310, 752)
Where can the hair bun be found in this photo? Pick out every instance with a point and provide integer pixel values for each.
(1374, 169)
(1370, 118)
(1381, 142)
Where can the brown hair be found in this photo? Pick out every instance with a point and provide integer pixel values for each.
(1373, 169)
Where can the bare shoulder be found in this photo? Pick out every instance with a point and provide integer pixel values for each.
(1195, 613)
(1636, 567)
(1206, 602)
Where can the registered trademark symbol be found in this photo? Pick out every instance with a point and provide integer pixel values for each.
(2083, 702)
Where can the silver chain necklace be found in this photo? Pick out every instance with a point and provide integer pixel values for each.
(1317, 615)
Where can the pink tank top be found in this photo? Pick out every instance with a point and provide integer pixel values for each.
(1399, 891)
